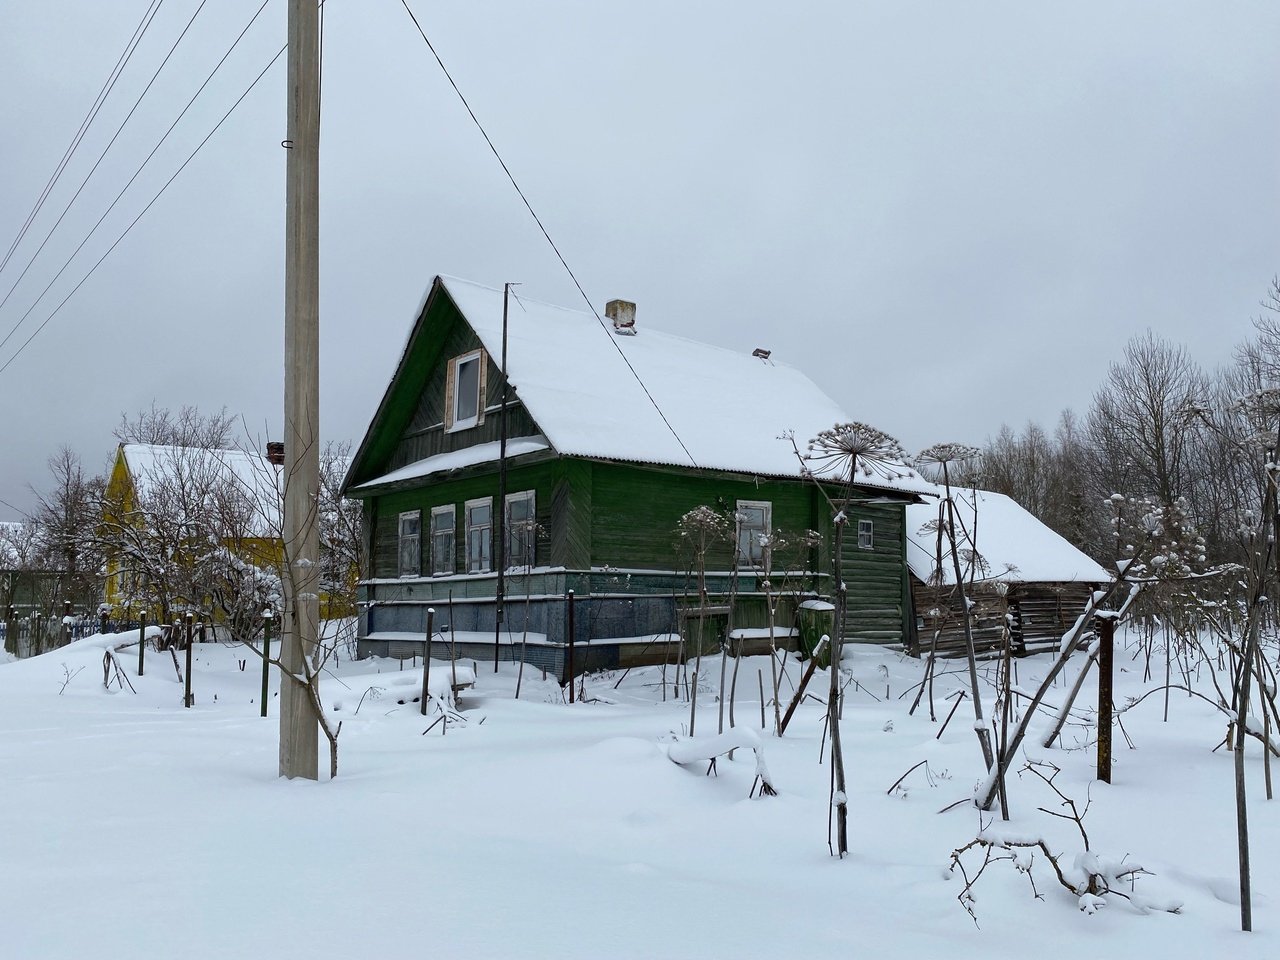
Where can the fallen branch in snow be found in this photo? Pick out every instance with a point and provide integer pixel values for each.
(695, 750)
(1089, 877)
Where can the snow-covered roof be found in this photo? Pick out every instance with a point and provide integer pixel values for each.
(153, 465)
(453, 460)
(731, 410)
(1016, 547)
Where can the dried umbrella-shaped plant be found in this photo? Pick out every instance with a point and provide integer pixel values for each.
(845, 454)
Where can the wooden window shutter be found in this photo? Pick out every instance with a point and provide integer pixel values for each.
(448, 394)
(484, 377)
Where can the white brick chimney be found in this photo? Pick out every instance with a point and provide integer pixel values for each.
(623, 315)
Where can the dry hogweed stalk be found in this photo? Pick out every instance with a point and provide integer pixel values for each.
(848, 449)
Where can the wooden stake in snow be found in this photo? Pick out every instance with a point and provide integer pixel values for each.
(1106, 644)
(804, 682)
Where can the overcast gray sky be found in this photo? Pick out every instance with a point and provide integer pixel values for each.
(950, 215)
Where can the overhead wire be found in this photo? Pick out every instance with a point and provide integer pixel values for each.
(144, 210)
(165, 136)
(107, 86)
(528, 206)
(94, 169)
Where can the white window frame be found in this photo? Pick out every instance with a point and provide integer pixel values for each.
(437, 568)
(451, 412)
(866, 535)
(754, 555)
(403, 540)
(469, 528)
(509, 531)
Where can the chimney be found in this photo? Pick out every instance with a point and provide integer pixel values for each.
(275, 453)
(623, 315)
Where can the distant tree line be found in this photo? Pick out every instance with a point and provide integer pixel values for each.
(1160, 430)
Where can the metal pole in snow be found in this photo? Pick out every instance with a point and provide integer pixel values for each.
(570, 598)
(188, 699)
(266, 659)
(142, 640)
(426, 660)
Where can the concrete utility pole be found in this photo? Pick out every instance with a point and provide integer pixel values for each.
(299, 730)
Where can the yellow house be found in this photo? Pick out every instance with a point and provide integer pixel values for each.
(169, 511)
(188, 524)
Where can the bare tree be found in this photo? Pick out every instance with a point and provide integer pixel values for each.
(188, 427)
(65, 520)
(1138, 426)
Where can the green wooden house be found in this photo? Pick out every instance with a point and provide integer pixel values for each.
(613, 432)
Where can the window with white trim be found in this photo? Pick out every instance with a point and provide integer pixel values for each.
(443, 540)
(754, 524)
(479, 534)
(866, 535)
(464, 401)
(519, 525)
(410, 544)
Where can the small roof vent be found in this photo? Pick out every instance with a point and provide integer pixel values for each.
(623, 315)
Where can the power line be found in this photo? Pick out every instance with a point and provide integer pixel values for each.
(135, 220)
(538, 221)
(107, 86)
(90, 174)
(136, 173)
(12, 507)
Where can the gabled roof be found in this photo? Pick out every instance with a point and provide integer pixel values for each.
(152, 465)
(1016, 547)
(711, 408)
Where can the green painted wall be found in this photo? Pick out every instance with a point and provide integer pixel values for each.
(540, 478)
(876, 578)
(636, 512)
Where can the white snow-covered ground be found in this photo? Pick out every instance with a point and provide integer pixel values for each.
(134, 828)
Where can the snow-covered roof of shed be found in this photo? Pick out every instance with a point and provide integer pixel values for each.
(1017, 547)
(151, 464)
(731, 410)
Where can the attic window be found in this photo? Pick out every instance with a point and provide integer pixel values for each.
(465, 391)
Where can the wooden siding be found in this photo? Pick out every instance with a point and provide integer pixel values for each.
(1040, 613)
(425, 435)
(541, 478)
(625, 516)
(636, 512)
(409, 423)
(875, 608)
